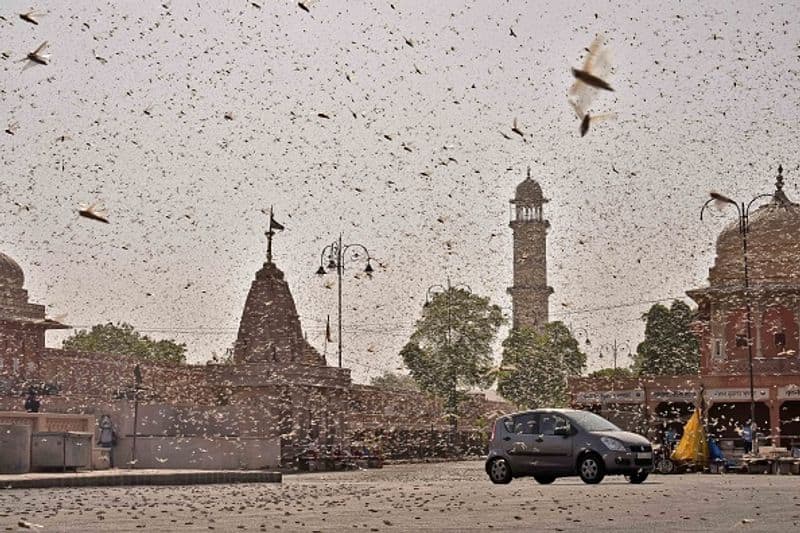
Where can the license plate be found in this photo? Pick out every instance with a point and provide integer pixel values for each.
(644, 455)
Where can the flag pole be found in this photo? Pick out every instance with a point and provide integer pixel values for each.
(269, 237)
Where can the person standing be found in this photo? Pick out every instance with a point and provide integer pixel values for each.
(108, 437)
(32, 403)
(747, 437)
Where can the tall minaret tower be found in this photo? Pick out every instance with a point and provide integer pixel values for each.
(530, 292)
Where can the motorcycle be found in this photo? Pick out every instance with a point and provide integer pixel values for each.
(661, 459)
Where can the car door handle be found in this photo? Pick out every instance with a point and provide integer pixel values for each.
(506, 438)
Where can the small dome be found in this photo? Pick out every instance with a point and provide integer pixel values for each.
(773, 247)
(11, 274)
(529, 192)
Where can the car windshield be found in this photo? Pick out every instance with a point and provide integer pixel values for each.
(592, 422)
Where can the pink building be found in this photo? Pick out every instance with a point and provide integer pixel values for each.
(773, 259)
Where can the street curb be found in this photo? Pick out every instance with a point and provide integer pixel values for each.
(469, 458)
(132, 479)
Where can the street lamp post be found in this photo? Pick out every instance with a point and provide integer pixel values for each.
(337, 254)
(614, 350)
(573, 332)
(137, 384)
(453, 377)
(743, 213)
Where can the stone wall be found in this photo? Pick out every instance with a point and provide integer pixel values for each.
(198, 452)
(408, 424)
(289, 408)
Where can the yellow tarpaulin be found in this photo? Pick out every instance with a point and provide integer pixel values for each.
(693, 446)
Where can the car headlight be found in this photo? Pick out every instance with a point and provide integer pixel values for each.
(613, 444)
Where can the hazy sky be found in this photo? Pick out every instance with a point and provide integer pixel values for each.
(706, 98)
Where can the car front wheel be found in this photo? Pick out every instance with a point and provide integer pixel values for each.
(591, 469)
(499, 471)
(637, 477)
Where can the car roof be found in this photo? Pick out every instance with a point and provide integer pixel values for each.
(542, 410)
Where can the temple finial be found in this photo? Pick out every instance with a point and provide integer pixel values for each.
(269, 235)
(529, 172)
(780, 196)
(273, 225)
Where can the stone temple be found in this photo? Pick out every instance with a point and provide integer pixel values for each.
(275, 400)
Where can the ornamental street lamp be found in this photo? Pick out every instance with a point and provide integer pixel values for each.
(337, 254)
(580, 331)
(743, 213)
(452, 374)
(613, 350)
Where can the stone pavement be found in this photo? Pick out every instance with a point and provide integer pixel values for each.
(441, 497)
(125, 477)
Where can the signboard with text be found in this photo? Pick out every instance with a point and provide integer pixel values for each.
(789, 392)
(684, 395)
(736, 395)
(589, 397)
(614, 396)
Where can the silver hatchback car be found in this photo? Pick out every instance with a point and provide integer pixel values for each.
(552, 443)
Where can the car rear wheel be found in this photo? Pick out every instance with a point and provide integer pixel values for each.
(591, 469)
(665, 466)
(543, 479)
(499, 471)
(637, 477)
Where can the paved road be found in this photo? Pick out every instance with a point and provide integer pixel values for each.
(437, 497)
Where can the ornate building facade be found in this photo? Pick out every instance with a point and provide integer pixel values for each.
(530, 293)
(723, 384)
(23, 325)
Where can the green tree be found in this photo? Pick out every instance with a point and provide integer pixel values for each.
(538, 365)
(392, 381)
(618, 372)
(122, 339)
(451, 347)
(669, 347)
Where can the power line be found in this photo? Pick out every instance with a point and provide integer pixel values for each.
(366, 327)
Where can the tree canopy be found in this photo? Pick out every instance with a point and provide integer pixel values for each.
(123, 339)
(669, 347)
(391, 381)
(451, 347)
(619, 372)
(537, 366)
